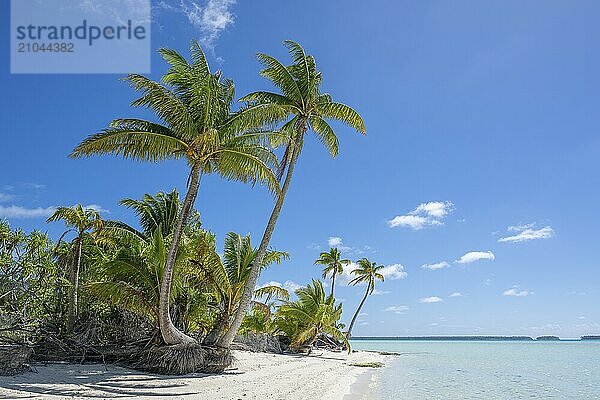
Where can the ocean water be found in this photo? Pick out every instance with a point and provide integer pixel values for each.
(504, 370)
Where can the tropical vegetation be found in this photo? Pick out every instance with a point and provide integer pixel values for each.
(164, 282)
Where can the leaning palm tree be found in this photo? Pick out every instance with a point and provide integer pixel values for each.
(81, 220)
(367, 272)
(194, 105)
(302, 107)
(333, 263)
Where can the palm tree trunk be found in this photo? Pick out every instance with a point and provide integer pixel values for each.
(250, 284)
(74, 289)
(362, 302)
(333, 282)
(170, 334)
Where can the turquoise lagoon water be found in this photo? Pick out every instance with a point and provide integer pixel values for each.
(503, 370)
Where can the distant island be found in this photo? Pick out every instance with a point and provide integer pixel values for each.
(475, 338)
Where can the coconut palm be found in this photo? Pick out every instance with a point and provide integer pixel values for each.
(194, 106)
(81, 220)
(302, 107)
(367, 272)
(228, 277)
(333, 263)
(312, 314)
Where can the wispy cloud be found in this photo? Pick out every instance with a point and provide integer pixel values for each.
(527, 232)
(433, 267)
(431, 299)
(6, 197)
(338, 242)
(456, 294)
(24, 212)
(473, 256)
(425, 214)
(397, 309)
(514, 291)
(210, 18)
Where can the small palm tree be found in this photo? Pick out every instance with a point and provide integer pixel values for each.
(312, 314)
(228, 275)
(81, 220)
(195, 106)
(303, 108)
(367, 272)
(333, 263)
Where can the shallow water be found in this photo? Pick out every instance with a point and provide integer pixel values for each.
(432, 370)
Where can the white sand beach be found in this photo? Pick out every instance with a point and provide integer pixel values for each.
(323, 375)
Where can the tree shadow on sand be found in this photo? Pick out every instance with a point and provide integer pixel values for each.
(93, 381)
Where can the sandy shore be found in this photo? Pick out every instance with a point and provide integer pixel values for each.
(323, 376)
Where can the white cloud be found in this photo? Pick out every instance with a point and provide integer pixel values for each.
(425, 214)
(210, 19)
(378, 292)
(97, 208)
(514, 291)
(23, 212)
(431, 299)
(527, 232)
(393, 272)
(397, 309)
(456, 294)
(334, 241)
(288, 285)
(435, 266)
(473, 256)
(6, 197)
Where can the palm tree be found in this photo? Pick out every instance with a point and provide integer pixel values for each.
(303, 107)
(312, 314)
(333, 263)
(367, 272)
(82, 220)
(194, 105)
(229, 275)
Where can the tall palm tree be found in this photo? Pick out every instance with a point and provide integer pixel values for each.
(194, 105)
(81, 220)
(367, 272)
(302, 107)
(333, 263)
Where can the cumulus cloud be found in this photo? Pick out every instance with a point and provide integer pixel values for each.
(523, 233)
(288, 285)
(433, 267)
(24, 212)
(456, 294)
(397, 309)
(473, 256)
(393, 272)
(431, 299)
(425, 214)
(514, 291)
(334, 241)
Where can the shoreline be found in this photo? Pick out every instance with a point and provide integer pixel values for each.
(324, 374)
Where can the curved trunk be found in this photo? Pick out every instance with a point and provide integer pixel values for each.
(74, 289)
(170, 334)
(362, 302)
(250, 284)
(333, 281)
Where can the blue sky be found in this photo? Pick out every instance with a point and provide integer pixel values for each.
(482, 152)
